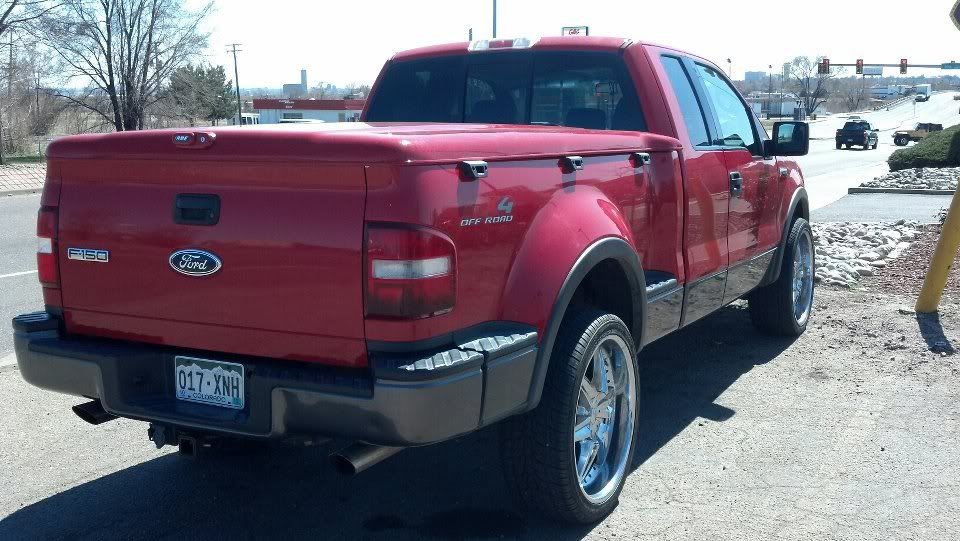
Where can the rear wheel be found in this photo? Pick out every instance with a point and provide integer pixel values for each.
(838, 146)
(900, 141)
(784, 307)
(570, 456)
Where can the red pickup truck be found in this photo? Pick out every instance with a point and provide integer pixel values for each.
(511, 222)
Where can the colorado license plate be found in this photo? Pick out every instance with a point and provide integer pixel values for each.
(209, 382)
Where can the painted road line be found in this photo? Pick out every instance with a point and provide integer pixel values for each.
(12, 274)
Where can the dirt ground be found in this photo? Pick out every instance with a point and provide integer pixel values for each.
(850, 432)
(905, 274)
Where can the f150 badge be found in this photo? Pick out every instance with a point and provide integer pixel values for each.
(194, 262)
(505, 207)
(86, 254)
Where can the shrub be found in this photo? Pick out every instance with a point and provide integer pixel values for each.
(939, 149)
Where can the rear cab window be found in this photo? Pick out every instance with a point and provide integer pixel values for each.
(555, 88)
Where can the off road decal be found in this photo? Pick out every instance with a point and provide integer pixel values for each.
(505, 206)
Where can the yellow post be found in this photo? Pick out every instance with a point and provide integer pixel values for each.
(946, 252)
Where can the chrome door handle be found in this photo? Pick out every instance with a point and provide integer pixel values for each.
(736, 184)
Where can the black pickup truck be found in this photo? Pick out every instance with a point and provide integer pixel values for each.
(857, 132)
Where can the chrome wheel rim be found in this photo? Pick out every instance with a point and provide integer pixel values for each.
(803, 278)
(604, 420)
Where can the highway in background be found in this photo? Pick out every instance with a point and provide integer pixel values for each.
(829, 172)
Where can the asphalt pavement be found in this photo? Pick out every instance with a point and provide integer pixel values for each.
(834, 436)
(19, 289)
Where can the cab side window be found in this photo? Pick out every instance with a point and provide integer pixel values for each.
(736, 128)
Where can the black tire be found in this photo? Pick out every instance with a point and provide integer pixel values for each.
(875, 144)
(900, 141)
(537, 448)
(772, 307)
(838, 146)
(846, 147)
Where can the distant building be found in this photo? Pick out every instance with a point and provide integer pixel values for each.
(297, 90)
(755, 76)
(278, 111)
(774, 104)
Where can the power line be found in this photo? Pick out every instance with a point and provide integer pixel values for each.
(236, 80)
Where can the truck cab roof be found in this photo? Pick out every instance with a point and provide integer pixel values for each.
(586, 43)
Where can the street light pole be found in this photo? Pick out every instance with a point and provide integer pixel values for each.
(494, 19)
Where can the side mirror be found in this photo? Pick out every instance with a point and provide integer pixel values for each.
(789, 139)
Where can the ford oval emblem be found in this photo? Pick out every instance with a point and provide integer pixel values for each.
(194, 262)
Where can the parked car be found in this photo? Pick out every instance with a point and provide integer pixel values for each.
(921, 130)
(512, 222)
(857, 132)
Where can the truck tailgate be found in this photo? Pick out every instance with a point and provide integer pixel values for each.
(289, 238)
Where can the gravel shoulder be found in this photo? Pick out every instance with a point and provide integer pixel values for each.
(850, 432)
(905, 275)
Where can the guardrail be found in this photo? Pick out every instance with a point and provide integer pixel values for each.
(894, 103)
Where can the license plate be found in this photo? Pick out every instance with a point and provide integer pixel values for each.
(209, 382)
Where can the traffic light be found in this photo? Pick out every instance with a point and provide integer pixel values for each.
(859, 66)
(824, 67)
(903, 66)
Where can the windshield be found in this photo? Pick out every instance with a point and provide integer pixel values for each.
(577, 89)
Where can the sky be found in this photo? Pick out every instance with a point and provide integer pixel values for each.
(344, 41)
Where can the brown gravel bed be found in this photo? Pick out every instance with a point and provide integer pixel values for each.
(905, 274)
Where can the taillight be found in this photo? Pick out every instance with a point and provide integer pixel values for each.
(47, 247)
(411, 272)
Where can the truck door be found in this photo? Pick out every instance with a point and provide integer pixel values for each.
(707, 194)
(754, 191)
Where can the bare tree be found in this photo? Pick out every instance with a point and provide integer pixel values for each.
(812, 86)
(125, 49)
(14, 13)
(852, 93)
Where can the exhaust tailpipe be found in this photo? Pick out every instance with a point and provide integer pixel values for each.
(93, 413)
(359, 456)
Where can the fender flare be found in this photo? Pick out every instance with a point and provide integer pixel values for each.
(614, 248)
(801, 200)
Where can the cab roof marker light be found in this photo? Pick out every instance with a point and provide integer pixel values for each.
(488, 44)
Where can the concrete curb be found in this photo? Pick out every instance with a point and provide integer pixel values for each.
(8, 362)
(899, 191)
(21, 191)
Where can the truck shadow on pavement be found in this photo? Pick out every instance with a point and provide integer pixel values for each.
(452, 490)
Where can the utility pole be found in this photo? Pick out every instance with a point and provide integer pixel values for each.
(494, 19)
(470, 35)
(770, 93)
(236, 80)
